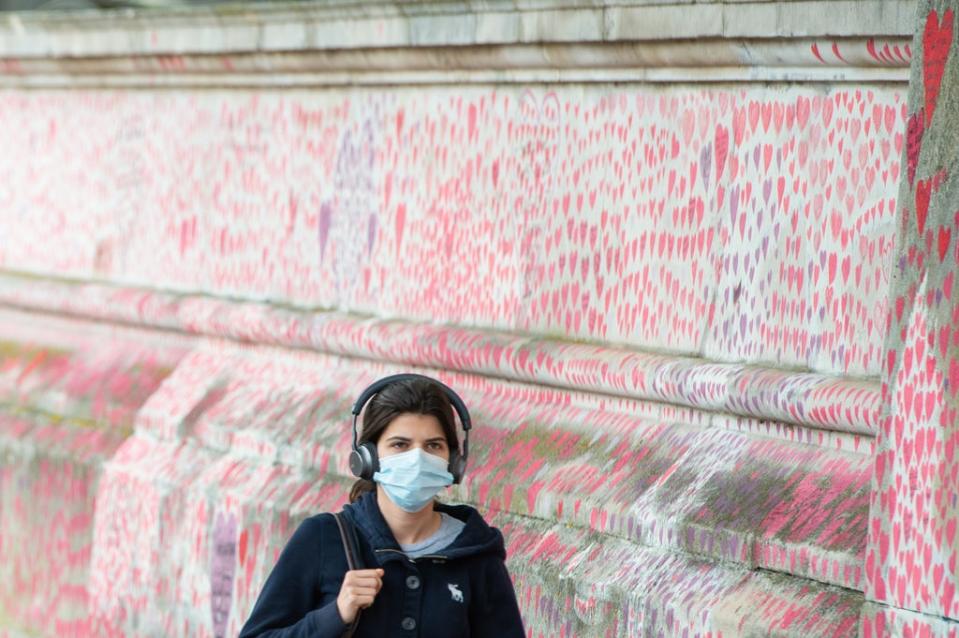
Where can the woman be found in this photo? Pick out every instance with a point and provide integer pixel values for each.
(430, 569)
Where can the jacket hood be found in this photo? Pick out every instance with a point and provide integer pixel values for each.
(476, 538)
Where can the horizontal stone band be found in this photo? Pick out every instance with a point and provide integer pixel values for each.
(816, 400)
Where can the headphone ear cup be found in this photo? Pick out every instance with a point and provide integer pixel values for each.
(457, 467)
(363, 461)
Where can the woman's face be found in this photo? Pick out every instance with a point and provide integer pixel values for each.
(410, 431)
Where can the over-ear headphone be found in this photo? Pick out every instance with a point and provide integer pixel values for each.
(363, 458)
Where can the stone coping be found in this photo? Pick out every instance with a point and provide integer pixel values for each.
(297, 27)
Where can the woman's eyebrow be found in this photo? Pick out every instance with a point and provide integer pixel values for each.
(406, 439)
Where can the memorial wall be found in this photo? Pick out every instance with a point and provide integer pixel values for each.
(690, 266)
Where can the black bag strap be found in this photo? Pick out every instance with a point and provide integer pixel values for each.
(353, 561)
(348, 537)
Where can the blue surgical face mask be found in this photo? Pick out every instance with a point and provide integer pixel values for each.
(411, 479)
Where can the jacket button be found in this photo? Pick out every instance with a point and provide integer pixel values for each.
(409, 624)
(413, 582)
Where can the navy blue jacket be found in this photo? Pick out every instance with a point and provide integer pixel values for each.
(463, 591)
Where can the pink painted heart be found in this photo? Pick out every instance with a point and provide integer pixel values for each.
(802, 111)
(721, 144)
(400, 223)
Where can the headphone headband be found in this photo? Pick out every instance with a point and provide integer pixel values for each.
(363, 460)
(377, 386)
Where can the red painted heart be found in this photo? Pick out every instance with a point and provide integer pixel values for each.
(923, 194)
(936, 40)
(945, 234)
(914, 131)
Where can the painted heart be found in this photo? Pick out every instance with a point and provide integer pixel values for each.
(914, 131)
(936, 40)
(739, 124)
(400, 223)
(753, 115)
(945, 234)
(827, 115)
(721, 146)
(890, 119)
(923, 194)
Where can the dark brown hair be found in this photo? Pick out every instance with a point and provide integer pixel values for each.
(407, 396)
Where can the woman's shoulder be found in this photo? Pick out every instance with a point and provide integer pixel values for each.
(460, 511)
(316, 521)
(314, 528)
(468, 514)
(477, 538)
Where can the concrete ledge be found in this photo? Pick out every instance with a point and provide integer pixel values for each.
(95, 378)
(347, 79)
(816, 400)
(867, 53)
(714, 59)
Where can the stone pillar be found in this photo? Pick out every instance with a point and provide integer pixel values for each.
(912, 550)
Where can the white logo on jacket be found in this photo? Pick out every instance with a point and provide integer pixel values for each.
(456, 593)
